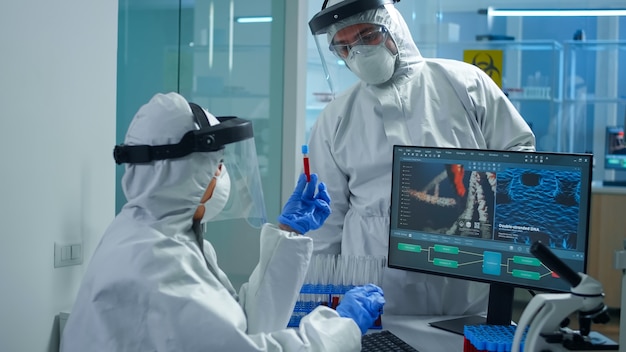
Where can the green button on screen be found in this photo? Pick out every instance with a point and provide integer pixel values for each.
(530, 275)
(409, 247)
(526, 260)
(446, 263)
(446, 249)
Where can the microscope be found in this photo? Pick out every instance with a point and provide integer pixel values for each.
(545, 318)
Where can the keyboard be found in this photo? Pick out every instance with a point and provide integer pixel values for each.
(384, 341)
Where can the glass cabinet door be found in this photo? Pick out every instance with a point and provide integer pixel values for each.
(595, 102)
(227, 65)
(227, 56)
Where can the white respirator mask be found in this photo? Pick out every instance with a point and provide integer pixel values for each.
(374, 64)
(219, 198)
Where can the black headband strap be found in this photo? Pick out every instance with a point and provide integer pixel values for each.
(199, 115)
(231, 129)
(340, 11)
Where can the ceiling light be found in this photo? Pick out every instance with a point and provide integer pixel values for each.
(552, 12)
(253, 19)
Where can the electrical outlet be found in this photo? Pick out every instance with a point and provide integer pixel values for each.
(68, 254)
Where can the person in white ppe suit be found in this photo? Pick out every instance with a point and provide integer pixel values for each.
(400, 99)
(153, 282)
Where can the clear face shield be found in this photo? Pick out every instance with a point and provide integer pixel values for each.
(335, 51)
(235, 192)
(244, 198)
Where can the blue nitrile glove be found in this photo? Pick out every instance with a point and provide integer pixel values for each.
(363, 304)
(305, 210)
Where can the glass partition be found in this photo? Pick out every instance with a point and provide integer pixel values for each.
(225, 55)
(595, 99)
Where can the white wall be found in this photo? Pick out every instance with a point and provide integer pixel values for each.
(57, 131)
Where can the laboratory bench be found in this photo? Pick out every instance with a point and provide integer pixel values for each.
(607, 231)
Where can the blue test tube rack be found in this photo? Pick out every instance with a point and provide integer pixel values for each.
(313, 295)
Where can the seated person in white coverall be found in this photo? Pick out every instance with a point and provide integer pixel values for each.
(153, 283)
(400, 99)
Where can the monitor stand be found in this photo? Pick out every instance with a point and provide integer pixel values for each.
(499, 311)
(457, 325)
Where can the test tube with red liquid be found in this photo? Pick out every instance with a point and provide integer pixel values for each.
(305, 161)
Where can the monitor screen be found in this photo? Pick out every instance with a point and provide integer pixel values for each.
(473, 214)
(615, 150)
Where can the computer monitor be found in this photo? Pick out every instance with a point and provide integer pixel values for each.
(615, 149)
(473, 214)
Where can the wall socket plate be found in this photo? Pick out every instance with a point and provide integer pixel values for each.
(68, 254)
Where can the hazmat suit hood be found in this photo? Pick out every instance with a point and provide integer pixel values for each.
(166, 193)
(389, 17)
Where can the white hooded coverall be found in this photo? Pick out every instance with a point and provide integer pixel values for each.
(149, 287)
(427, 102)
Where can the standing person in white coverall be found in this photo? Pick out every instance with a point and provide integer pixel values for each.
(401, 99)
(153, 283)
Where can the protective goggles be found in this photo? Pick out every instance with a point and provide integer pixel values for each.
(329, 15)
(205, 139)
(374, 35)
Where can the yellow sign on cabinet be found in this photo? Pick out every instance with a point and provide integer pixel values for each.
(490, 61)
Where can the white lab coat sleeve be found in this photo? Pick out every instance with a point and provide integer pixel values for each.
(329, 332)
(269, 296)
(502, 125)
(327, 239)
(322, 330)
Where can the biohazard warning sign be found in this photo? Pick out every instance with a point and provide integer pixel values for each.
(490, 61)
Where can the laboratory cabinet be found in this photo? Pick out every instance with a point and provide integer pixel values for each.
(529, 72)
(607, 232)
(571, 93)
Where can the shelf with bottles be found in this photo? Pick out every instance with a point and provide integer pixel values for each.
(529, 70)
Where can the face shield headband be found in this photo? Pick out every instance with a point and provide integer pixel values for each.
(337, 74)
(206, 139)
(330, 15)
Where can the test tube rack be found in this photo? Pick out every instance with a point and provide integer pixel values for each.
(345, 273)
(312, 296)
